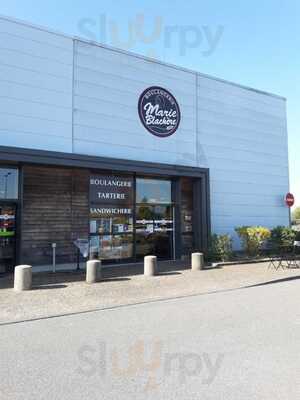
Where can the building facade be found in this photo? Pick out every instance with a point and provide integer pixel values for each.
(137, 156)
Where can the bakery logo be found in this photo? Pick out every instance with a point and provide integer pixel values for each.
(159, 111)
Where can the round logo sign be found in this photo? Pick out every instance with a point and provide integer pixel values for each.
(159, 111)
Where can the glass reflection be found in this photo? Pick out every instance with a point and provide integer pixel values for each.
(153, 191)
(111, 224)
(111, 247)
(8, 183)
(7, 237)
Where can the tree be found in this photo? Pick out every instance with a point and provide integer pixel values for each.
(296, 213)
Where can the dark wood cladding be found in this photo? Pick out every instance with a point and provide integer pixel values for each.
(55, 210)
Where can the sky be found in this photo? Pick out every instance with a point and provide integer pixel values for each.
(255, 43)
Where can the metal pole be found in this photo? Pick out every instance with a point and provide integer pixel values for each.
(5, 187)
(54, 257)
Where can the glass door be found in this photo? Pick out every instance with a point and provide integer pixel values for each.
(187, 216)
(154, 231)
(7, 237)
(154, 225)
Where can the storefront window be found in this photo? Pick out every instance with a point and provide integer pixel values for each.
(112, 247)
(153, 191)
(7, 237)
(111, 216)
(111, 236)
(8, 183)
(101, 225)
(117, 219)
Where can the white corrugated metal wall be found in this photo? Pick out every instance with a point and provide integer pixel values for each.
(68, 95)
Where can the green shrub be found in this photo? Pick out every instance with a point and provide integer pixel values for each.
(282, 236)
(220, 247)
(296, 214)
(253, 238)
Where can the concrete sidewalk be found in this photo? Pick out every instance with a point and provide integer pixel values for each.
(66, 292)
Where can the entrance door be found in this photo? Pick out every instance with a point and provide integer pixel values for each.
(154, 218)
(154, 231)
(7, 237)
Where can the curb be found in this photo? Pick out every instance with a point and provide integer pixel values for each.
(240, 262)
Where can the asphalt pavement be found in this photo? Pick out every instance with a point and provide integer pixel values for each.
(238, 344)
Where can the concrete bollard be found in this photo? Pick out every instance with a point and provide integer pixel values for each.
(23, 278)
(93, 271)
(150, 265)
(197, 261)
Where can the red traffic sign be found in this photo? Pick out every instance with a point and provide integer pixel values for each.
(289, 200)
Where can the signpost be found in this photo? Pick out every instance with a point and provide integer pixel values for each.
(289, 200)
(54, 257)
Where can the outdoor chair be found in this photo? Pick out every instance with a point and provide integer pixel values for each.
(283, 257)
(294, 257)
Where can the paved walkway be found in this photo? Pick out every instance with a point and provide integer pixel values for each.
(67, 293)
(230, 345)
